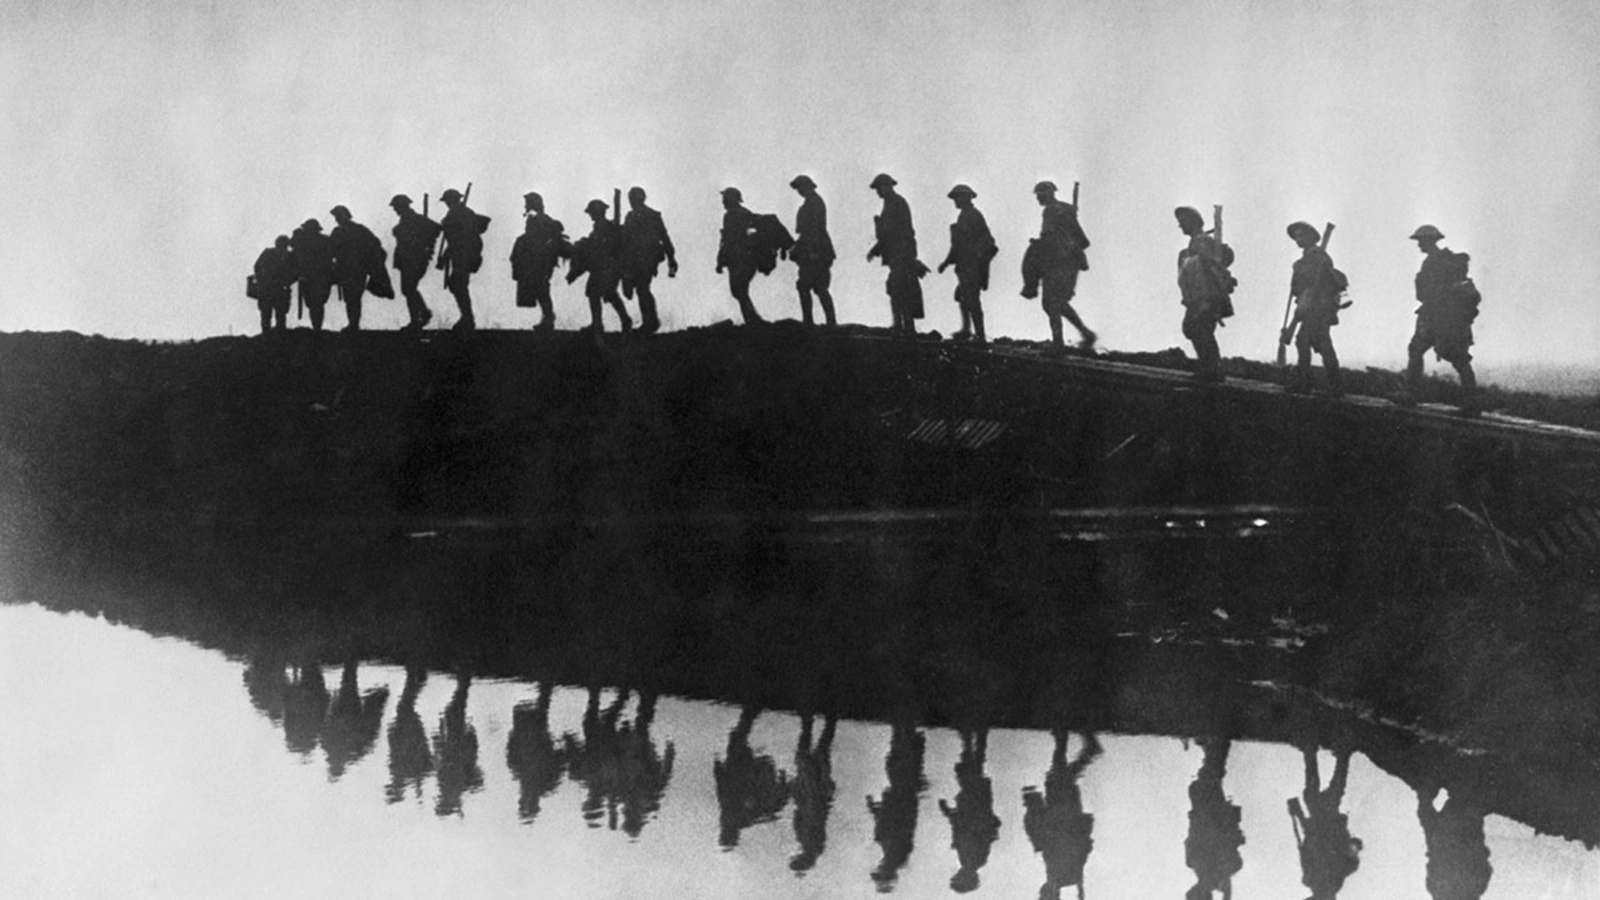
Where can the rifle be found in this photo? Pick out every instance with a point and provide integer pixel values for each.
(444, 262)
(616, 205)
(1286, 333)
(1074, 195)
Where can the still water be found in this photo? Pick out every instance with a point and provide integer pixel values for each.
(144, 766)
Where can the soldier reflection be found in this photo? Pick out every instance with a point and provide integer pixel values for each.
(532, 754)
(617, 762)
(410, 760)
(1458, 856)
(645, 771)
(455, 746)
(1055, 820)
(895, 814)
(1215, 835)
(351, 729)
(813, 788)
(265, 683)
(1328, 853)
(973, 825)
(750, 787)
(305, 703)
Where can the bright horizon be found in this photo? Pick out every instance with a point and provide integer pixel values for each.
(154, 150)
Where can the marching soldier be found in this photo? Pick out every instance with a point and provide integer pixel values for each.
(647, 246)
(1315, 287)
(971, 248)
(1205, 283)
(738, 251)
(897, 246)
(313, 259)
(414, 237)
(534, 257)
(1053, 262)
(462, 254)
(275, 276)
(1448, 302)
(600, 255)
(812, 252)
(354, 249)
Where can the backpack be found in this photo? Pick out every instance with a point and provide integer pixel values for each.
(771, 240)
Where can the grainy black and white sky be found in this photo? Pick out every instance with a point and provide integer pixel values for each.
(150, 150)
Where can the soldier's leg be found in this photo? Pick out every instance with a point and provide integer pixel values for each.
(415, 307)
(596, 323)
(352, 305)
(265, 308)
(615, 299)
(461, 289)
(1415, 350)
(1086, 338)
(547, 314)
(1055, 328)
(802, 287)
(315, 308)
(826, 299)
(977, 323)
(1330, 362)
(739, 278)
(649, 323)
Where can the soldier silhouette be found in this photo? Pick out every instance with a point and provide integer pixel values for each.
(646, 246)
(313, 261)
(813, 789)
(1054, 818)
(972, 247)
(1215, 836)
(275, 277)
(973, 825)
(1447, 305)
(894, 815)
(1051, 265)
(896, 245)
(599, 254)
(534, 257)
(533, 755)
(463, 253)
(737, 252)
(410, 760)
(751, 789)
(1205, 283)
(414, 237)
(1315, 287)
(1458, 854)
(455, 746)
(1328, 853)
(813, 252)
(357, 252)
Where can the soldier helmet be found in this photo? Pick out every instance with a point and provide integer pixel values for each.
(732, 193)
(532, 200)
(340, 211)
(802, 181)
(1188, 214)
(961, 190)
(636, 193)
(1425, 232)
(1296, 228)
(882, 179)
(400, 200)
(311, 225)
(1045, 186)
(449, 195)
(596, 206)
(281, 241)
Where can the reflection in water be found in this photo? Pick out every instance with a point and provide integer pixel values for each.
(813, 789)
(354, 720)
(624, 776)
(1328, 852)
(410, 760)
(1215, 835)
(1458, 855)
(1055, 821)
(894, 815)
(305, 702)
(973, 825)
(455, 746)
(532, 754)
(751, 789)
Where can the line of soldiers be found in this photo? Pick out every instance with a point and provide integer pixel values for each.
(623, 256)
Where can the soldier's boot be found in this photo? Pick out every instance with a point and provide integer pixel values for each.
(1055, 332)
(266, 320)
(977, 327)
(316, 318)
(352, 309)
(649, 323)
(805, 308)
(965, 331)
(622, 314)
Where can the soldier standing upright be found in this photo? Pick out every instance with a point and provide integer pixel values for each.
(737, 253)
(1053, 261)
(813, 251)
(647, 246)
(275, 276)
(462, 254)
(1315, 287)
(599, 253)
(355, 248)
(313, 261)
(971, 248)
(897, 246)
(1205, 283)
(414, 237)
(1448, 302)
(534, 257)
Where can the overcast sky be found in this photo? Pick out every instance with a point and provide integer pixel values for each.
(151, 150)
